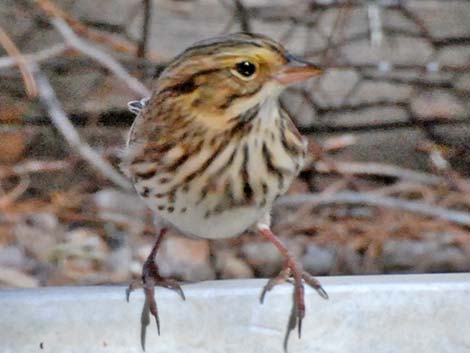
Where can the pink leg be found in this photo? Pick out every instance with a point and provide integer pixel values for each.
(294, 269)
(152, 278)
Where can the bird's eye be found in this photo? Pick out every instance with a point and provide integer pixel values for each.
(245, 68)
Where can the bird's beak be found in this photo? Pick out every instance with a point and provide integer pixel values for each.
(296, 70)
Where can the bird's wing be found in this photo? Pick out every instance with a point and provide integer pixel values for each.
(127, 153)
(136, 106)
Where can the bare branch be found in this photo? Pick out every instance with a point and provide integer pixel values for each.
(13, 50)
(61, 121)
(104, 59)
(30, 167)
(120, 44)
(37, 57)
(15, 193)
(354, 168)
(462, 218)
(338, 142)
(141, 50)
(242, 15)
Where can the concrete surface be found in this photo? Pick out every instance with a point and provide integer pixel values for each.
(399, 314)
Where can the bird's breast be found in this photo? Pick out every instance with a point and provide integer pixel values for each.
(219, 187)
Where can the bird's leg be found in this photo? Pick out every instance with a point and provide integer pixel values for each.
(294, 269)
(152, 278)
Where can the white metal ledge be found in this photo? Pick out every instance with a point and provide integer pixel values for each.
(393, 314)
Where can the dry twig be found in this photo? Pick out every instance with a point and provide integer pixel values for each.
(13, 195)
(142, 49)
(120, 44)
(15, 53)
(424, 209)
(37, 57)
(379, 169)
(104, 59)
(243, 16)
(30, 167)
(62, 122)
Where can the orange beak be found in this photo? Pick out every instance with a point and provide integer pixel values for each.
(296, 70)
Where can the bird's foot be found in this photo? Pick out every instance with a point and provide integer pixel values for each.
(150, 279)
(292, 272)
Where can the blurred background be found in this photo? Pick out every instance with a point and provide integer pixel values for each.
(388, 188)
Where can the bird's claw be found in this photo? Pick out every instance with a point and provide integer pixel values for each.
(282, 277)
(294, 274)
(150, 279)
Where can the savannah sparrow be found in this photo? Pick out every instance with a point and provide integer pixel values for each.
(211, 149)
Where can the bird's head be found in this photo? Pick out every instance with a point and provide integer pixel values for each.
(218, 79)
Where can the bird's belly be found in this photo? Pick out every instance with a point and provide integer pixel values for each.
(227, 224)
(223, 211)
(220, 212)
